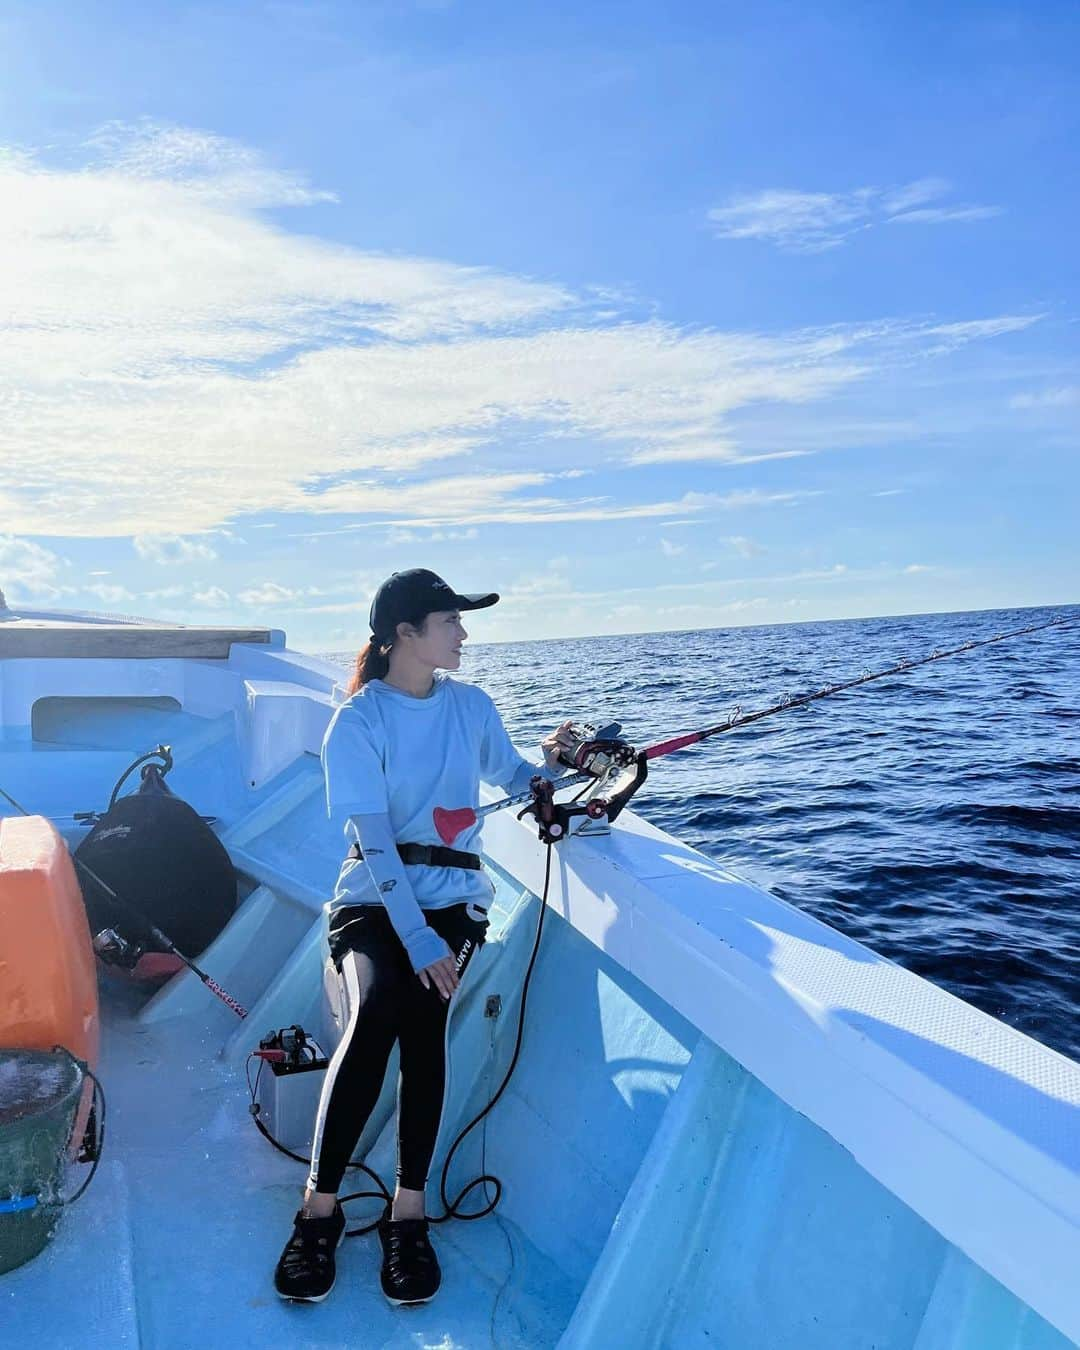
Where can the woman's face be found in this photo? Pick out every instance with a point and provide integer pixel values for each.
(439, 645)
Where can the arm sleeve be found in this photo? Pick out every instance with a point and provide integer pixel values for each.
(353, 766)
(372, 832)
(500, 763)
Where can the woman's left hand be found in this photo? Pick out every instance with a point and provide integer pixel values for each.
(560, 739)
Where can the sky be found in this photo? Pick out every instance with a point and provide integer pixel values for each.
(647, 317)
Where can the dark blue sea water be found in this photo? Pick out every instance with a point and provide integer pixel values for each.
(934, 815)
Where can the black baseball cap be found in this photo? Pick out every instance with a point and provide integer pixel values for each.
(407, 597)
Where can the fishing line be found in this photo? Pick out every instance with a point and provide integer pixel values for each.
(738, 718)
(450, 822)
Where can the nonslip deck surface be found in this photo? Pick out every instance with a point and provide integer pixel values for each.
(174, 1243)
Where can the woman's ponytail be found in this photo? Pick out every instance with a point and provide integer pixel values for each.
(373, 663)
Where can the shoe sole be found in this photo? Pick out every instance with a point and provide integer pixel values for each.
(312, 1298)
(305, 1298)
(407, 1302)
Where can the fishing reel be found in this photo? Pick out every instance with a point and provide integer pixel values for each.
(115, 950)
(597, 752)
(619, 770)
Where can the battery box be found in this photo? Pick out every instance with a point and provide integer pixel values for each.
(288, 1098)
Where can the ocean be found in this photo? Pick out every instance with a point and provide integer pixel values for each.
(933, 815)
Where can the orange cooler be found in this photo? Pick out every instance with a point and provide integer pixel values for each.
(48, 980)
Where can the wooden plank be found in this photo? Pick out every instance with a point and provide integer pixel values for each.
(126, 641)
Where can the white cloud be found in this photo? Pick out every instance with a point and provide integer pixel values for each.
(745, 548)
(397, 537)
(716, 451)
(167, 344)
(29, 571)
(270, 594)
(803, 221)
(343, 606)
(172, 549)
(751, 497)
(547, 510)
(540, 586)
(811, 222)
(922, 190)
(955, 334)
(771, 454)
(110, 595)
(692, 612)
(945, 215)
(209, 167)
(211, 598)
(684, 444)
(712, 586)
(1067, 396)
(671, 550)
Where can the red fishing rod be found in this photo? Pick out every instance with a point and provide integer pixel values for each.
(602, 758)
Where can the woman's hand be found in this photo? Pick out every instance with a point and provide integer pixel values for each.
(559, 739)
(442, 974)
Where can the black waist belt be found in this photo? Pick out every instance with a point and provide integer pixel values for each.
(433, 855)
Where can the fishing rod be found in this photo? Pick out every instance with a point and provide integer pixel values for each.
(600, 757)
(141, 920)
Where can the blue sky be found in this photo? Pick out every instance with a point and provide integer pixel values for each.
(649, 320)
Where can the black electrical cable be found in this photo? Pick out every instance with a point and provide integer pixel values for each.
(452, 1209)
(163, 753)
(381, 1194)
(97, 1105)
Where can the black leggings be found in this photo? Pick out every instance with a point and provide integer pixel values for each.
(387, 1003)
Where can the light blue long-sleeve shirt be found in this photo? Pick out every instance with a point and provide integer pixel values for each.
(388, 753)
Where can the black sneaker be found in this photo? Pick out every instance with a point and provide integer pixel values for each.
(410, 1269)
(306, 1269)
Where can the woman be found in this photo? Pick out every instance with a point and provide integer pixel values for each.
(407, 914)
